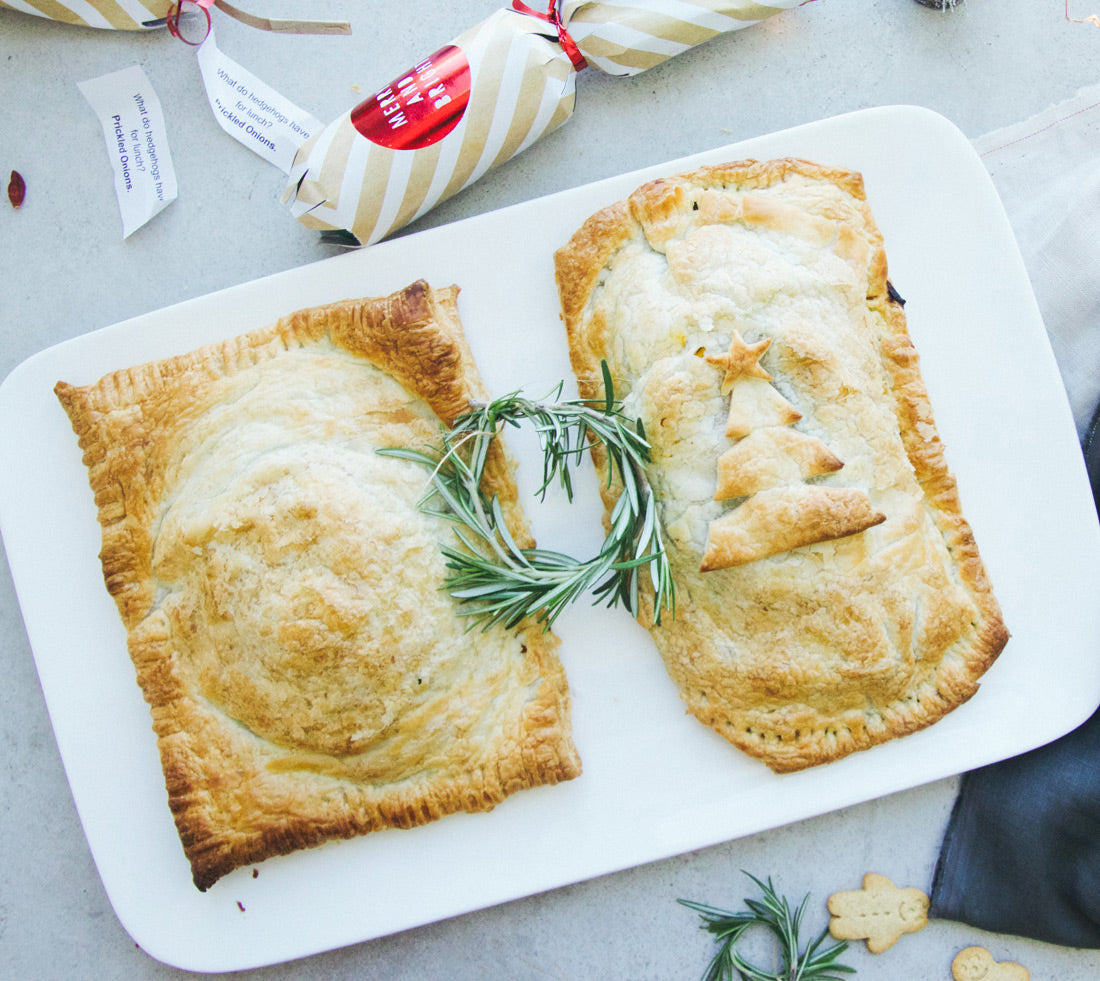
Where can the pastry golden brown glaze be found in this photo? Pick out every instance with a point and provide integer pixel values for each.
(830, 594)
(308, 676)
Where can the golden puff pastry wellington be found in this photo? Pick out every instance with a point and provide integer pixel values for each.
(830, 595)
(308, 676)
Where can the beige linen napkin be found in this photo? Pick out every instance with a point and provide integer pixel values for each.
(1047, 171)
(1028, 826)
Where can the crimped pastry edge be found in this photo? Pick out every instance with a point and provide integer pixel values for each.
(414, 335)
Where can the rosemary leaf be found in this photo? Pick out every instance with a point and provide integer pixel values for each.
(774, 913)
(495, 579)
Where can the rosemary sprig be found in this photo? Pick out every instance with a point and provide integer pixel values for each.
(815, 963)
(500, 582)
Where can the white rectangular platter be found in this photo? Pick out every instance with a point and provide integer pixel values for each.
(655, 783)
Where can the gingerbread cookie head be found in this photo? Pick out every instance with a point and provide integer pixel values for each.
(977, 964)
(879, 913)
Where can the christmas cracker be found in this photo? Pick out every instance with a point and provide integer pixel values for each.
(484, 98)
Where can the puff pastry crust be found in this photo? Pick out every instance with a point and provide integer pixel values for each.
(830, 594)
(309, 678)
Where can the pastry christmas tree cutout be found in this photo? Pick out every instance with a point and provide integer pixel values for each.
(771, 457)
(768, 466)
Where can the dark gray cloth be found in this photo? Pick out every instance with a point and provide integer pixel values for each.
(1021, 854)
(1092, 456)
(1022, 849)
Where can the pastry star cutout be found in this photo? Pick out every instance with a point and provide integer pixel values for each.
(742, 359)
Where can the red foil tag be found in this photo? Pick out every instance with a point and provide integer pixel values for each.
(420, 107)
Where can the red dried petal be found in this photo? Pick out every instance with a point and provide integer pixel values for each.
(17, 189)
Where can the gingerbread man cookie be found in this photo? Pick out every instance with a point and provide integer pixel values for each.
(977, 964)
(879, 913)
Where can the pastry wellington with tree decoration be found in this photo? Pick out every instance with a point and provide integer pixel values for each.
(830, 595)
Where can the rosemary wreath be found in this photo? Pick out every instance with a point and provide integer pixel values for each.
(773, 912)
(495, 579)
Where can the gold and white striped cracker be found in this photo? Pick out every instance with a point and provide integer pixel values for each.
(625, 37)
(115, 15)
(522, 86)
